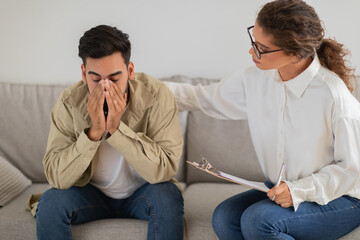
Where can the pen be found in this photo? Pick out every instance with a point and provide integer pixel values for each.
(283, 166)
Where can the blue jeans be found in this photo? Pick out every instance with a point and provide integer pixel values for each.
(252, 215)
(160, 204)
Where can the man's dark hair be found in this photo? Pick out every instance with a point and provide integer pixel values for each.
(102, 41)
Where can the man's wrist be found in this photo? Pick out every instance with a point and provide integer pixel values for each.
(112, 131)
(94, 135)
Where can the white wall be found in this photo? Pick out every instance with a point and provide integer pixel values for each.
(39, 38)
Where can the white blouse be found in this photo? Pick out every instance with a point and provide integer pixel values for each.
(312, 123)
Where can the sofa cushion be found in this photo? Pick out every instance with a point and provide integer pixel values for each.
(25, 124)
(16, 223)
(109, 229)
(201, 200)
(12, 182)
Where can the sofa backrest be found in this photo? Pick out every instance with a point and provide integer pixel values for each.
(25, 121)
(24, 125)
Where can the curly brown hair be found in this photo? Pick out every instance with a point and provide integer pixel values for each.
(297, 29)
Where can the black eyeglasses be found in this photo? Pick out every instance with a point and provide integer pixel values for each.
(257, 51)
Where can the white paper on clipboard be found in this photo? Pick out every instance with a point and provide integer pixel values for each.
(209, 169)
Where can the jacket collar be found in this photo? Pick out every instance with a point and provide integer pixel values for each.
(300, 83)
(140, 100)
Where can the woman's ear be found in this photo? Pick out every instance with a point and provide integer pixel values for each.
(296, 58)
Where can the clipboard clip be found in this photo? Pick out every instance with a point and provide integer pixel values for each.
(204, 164)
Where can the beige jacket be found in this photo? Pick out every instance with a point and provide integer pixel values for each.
(149, 136)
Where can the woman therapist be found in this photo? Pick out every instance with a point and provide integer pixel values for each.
(301, 113)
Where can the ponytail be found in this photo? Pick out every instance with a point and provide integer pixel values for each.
(297, 30)
(332, 56)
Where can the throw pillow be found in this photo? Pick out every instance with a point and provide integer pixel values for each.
(12, 182)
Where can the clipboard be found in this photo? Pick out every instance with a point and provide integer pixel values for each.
(205, 166)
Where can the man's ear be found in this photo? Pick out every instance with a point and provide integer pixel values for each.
(83, 73)
(131, 71)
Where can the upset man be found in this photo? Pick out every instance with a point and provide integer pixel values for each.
(114, 146)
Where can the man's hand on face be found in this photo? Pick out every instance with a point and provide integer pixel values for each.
(95, 109)
(116, 101)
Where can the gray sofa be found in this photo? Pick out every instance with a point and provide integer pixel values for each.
(24, 125)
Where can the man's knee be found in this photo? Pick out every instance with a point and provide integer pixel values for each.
(51, 204)
(170, 193)
(167, 196)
